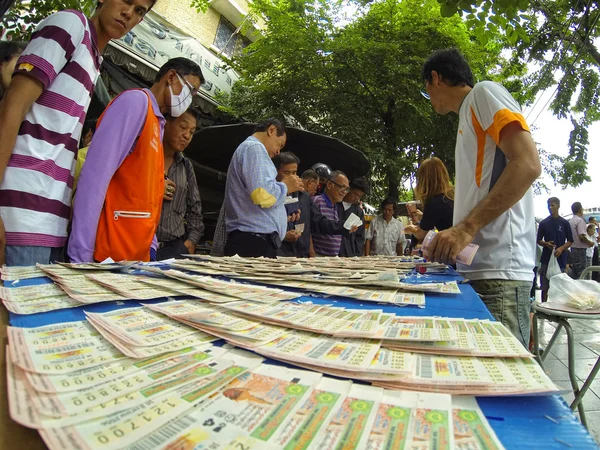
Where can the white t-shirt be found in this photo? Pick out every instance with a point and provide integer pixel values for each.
(507, 245)
(385, 236)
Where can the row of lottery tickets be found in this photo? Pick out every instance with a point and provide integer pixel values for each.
(141, 332)
(369, 345)
(78, 284)
(205, 396)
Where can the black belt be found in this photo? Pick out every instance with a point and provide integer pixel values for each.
(269, 237)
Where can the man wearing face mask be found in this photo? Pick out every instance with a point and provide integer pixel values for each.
(120, 191)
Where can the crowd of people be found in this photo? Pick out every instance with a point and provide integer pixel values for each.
(573, 243)
(137, 195)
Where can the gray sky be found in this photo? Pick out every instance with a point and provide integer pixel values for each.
(553, 135)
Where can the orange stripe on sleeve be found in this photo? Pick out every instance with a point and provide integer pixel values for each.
(503, 118)
(480, 133)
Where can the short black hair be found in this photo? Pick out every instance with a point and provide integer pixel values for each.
(10, 49)
(554, 200)
(266, 124)
(89, 124)
(591, 218)
(389, 201)
(576, 207)
(451, 65)
(310, 174)
(183, 66)
(285, 158)
(591, 225)
(361, 184)
(151, 4)
(336, 173)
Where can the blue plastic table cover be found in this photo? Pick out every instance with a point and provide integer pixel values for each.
(535, 422)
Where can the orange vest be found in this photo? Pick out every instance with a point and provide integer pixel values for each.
(133, 202)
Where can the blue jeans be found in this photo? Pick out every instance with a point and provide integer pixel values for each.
(508, 301)
(26, 255)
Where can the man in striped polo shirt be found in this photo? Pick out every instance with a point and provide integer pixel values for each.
(41, 118)
(329, 204)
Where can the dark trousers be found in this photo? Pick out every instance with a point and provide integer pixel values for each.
(578, 261)
(595, 262)
(250, 245)
(172, 249)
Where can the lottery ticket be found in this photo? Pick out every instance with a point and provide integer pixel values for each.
(405, 298)
(60, 348)
(524, 372)
(438, 369)
(242, 291)
(392, 362)
(422, 329)
(218, 319)
(141, 326)
(41, 305)
(196, 340)
(104, 266)
(392, 421)
(350, 425)
(394, 425)
(260, 403)
(312, 418)
(188, 289)
(471, 429)
(196, 376)
(431, 423)
(147, 379)
(177, 307)
(123, 428)
(257, 335)
(130, 287)
(30, 293)
(20, 273)
(95, 376)
(319, 350)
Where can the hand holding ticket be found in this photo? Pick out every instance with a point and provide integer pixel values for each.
(352, 221)
(448, 248)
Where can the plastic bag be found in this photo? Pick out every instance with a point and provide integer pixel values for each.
(578, 294)
(553, 267)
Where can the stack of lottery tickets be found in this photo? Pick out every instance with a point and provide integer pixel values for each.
(80, 392)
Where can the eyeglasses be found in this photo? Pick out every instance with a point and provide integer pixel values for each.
(343, 189)
(192, 89)
(424, 91)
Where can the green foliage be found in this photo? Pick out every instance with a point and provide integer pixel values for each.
(22, 18)
(360, 82)
(560, 38)
(200, 5)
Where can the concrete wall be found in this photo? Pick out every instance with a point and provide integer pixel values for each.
(202, 26)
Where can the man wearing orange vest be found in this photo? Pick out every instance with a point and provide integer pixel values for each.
(120, 190)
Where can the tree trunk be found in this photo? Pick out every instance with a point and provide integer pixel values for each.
(393, 184)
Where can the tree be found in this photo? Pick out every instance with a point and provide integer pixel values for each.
(559, 39)
(360, 82)
(24, 15)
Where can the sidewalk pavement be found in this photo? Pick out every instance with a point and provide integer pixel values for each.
(587, 350)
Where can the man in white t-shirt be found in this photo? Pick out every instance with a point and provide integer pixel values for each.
(385, 235)
(496, 164)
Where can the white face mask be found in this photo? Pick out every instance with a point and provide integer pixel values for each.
(180, 103)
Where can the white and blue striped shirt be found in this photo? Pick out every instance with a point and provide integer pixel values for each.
(254, 200)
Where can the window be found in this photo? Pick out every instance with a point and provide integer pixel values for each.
(227, 40)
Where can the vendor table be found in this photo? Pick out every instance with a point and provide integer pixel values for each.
(542, 422)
